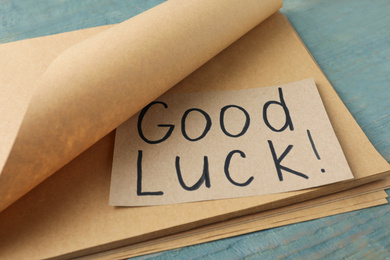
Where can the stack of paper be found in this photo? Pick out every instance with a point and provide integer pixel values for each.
(63, 95)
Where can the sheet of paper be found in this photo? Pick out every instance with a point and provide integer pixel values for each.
(188, 147)
(68, 105)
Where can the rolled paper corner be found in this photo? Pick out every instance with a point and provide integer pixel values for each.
(94, 86)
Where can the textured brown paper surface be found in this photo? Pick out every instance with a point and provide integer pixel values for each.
(68, 214)
(188, 147)
(186, 239)
(84, 91)
(365, 196)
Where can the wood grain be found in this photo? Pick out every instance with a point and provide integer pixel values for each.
(350, 41)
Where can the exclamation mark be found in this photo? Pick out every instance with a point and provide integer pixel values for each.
(314, 147)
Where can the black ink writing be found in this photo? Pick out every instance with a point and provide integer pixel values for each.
(183, 124)
(139, 179)
(204, 178)
(282, 103)
(227, 164)
(278, 161)
(313, 146)
(222, 121)
(139, 125)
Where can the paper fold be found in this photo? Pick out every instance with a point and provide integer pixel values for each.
(92, 87)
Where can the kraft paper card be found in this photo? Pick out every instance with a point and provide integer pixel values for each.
(188, 147)
(66, 215)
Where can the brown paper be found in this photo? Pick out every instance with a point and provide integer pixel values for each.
(216, 232)
(68, 214)
(188, 147)
(367, 195)
(92, 87)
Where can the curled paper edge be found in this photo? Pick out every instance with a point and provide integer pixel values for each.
(94, 86)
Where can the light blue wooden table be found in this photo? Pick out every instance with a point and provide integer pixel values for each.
(351, 42)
